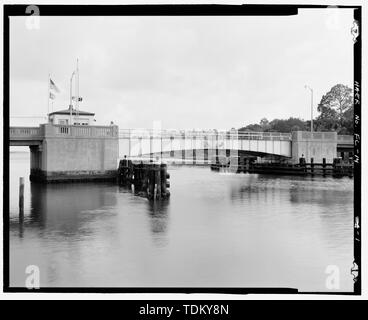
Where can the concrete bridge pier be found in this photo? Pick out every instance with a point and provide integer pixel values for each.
(75, 153)
(36, 160)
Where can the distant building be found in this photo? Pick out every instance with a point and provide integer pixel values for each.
(63, 117)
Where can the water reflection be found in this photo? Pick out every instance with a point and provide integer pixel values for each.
(327, 203)
(320, 191)
(158, 213)
(216, 230)
(63, 210)
(323, 194)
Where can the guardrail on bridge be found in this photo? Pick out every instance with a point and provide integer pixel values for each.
(180, 134)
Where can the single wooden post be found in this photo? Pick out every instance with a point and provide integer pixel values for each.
(167, 184)
(337, 167)
(312, 166)
(155, 192)
(217, 150)
(163, 179)
(151, 183)
(205, 150)
(351, 171)
(183, 150)
(302, 164)
(151, 148)
(21, 195)
(324, 166)
(246, 165)
(158, 180)
(145, 180)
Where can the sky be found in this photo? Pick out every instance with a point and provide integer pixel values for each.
(186, 72)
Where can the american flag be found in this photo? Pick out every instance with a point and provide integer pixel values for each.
(53, 86)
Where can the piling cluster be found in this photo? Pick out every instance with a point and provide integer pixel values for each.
(338, 168)
(146, 179)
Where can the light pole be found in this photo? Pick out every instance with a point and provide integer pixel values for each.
(311, 90)
(71, 98)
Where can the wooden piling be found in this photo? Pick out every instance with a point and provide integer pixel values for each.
(303, 164)
(158, 181)
(324, 167)
(155, 192)
(163, 179)
(194, 150)
(21, 195)
(246, 165)
(312, 166)
(145, 179)
(151, 148)
(183, 151)
(337, 169)
(205, 150)
(151, 184)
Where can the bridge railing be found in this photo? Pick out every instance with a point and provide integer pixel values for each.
(82, 131)
(264, 136)
(345, 139)
(29, 133)
(209, 134)
(25, 132)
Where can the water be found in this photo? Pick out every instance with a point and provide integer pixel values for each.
(217, 230)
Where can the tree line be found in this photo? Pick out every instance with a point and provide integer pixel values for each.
(336, 113)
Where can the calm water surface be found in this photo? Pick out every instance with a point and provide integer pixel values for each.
(217, 230)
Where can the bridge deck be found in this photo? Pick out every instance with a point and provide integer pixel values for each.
(28, 136)
(25, 136)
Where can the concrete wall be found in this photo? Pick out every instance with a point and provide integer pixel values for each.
(76, 153)
(316, 145)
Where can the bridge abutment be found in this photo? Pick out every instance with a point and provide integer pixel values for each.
(316, 145)
(75, 153)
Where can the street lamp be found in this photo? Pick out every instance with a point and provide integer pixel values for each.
(71, 98)
(311, 90)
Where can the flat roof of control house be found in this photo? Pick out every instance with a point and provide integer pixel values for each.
(74, 112)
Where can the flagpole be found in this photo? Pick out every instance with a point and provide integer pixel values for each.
(71, 97)
(77, 90)
(48, 98)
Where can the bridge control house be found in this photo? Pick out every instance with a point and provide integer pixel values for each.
(63, 117)
(63, 152)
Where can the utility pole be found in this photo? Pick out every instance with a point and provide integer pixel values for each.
(311, 90)
(77, 91)
(71, 98)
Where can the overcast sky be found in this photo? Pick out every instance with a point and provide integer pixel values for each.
(187, 72)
